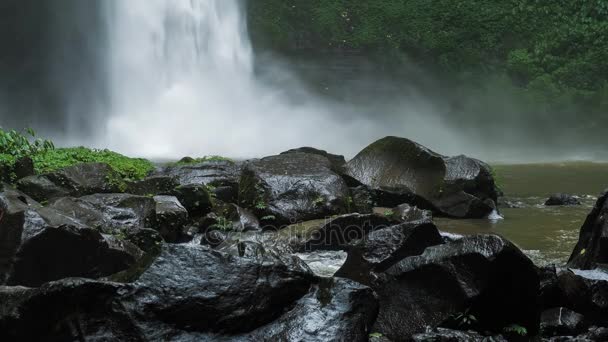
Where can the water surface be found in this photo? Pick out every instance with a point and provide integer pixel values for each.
(546, 234)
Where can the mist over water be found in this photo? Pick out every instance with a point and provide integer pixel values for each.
(169, 78)
(183, 83)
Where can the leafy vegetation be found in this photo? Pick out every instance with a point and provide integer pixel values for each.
(128, 168)
(549, 55)
(516, 330)
(189, 160)
(47, 158)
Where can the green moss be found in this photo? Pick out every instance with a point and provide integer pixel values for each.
(127, 168)
(189, 160)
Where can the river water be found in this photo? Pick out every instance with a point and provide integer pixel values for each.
(546, 234)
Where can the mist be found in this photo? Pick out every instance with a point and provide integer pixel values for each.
(163, 79)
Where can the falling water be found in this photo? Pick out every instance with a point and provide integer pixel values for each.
(183, 83)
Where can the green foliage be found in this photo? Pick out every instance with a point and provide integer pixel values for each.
(224, 224)
(465, 319)
(188, 160)
(516, 329)
(375, 335)
(389, 213)
(553, 53)
(127, 168)
(22, 144)
(268, 218)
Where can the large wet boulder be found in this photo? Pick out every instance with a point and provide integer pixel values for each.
(171, 218)
(334, 310)
(285, 307)
(337, 161)
(585, 292)
(481, 275)
(231, 217)
(450, 335)
(293, 187)
(382, 248)
(152, 186)
(110, 213)
(591, 249)
(337, 232)
(77, 180)
(406, 172)
(195, 198)
(195, 288)
(561, 322)
(41, 244)
(562, 199)
(221, 177)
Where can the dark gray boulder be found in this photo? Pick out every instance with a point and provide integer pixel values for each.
(449, 335)
(41, 244)
(293, 187)
(562, 199)
(335, 309)
(231, 217)
(171, 218)
(382, 248)
(483, 275)
(285, 307)
(407, 213)
(195, 198)
(337, 232)
(591, 249)
(77, 180)
(110, 213)
(406, 172)
(585, 293)
(337, 161)
(152, 186)
(561, 322)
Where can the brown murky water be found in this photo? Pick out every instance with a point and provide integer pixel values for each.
(546, 234)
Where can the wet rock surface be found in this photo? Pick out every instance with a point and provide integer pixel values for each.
(41, 244)
(591, 249)
(78, 180)
(400, 168)
(475, 274)
(561, 322)
(562, 199)
(293, 187)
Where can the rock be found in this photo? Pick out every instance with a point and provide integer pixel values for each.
(591, 249)
(110, 213)
(195, 198)
(66, 310)
(406, 172)
(260, 309)
(231, 217)
(293, 187)
(147, 239)
(449, 335)
(236, 295)
(562, 199)
(41, 244)
(152, 186)
(550, 294)
(337, 161)
(585, 294)
(213, 237)
(481, 275)
(171, 217)
(77, 180)
(408, 213)
(561, 322)
(24, 167)
(382, 248)
(336, 233)
(347, 308)
(215, 173)
(361, 201)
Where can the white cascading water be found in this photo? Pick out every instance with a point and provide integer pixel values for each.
(182, 83)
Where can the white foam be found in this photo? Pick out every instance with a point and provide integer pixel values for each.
(596, 274)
